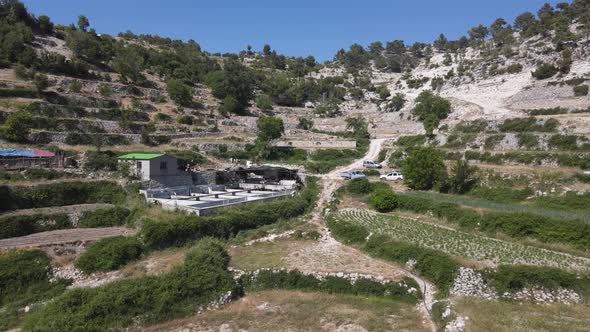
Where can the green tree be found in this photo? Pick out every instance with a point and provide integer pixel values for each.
(478, 33)
(179, 92)
(234, 80)
(305, 123)
(526, 23)
(397, 103)
(230, 105)
(16, 127)
(266, 50)
(423, 168)
(41, 82)
(463, 178)
(430, 109)
(441, 43)
(269, 128)
(45, 24)
(83, 23)
(129, 62)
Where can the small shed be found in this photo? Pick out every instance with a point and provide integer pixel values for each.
(24, 158)
(148, 166)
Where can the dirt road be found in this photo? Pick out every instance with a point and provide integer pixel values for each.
(328, 248)
(64, 236)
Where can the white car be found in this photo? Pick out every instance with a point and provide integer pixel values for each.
(392, 176)
(371, 164)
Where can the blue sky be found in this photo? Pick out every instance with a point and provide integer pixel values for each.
(299, 28)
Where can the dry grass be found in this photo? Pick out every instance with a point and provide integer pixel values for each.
(258, 255)
(497, 316)
(280, 310)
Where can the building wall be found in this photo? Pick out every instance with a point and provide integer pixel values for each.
(153, 167)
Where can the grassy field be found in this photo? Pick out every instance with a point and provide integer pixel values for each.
(279, 310)
(479, 203)
(258, 255)
(473, 247)
(494, 316)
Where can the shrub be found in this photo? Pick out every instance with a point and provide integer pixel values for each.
(514, 278)
(409, 141)
(16, 127)
(108, 217)
(105, 90)
(110, 254)
(264, 103)
(75, 86)
(528, 141)
(397, 103)
(40, 82)
(544, 71)
(348, 232)
(529, 124)
(383, 200)
(20, 225)
(305, 123)
(581, 90)
(462, 178)
(359, 186)
(185, 119)
(201, 279)
(493, 140)
(430, 109)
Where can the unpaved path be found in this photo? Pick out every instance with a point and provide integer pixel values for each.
(330, 254)
(64, 236)
(67, 209)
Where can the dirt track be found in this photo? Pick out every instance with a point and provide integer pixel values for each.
(64, 236)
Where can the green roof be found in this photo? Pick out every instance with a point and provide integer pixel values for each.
(141, 156)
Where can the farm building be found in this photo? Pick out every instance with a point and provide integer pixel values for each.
(156, 169)
(25, 158)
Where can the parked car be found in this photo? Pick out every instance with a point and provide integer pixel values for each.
(371, 164)
(349, 175)
(392, 176)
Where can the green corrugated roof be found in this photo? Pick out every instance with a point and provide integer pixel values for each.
(141, 156)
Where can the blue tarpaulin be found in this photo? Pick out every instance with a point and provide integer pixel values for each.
(16, 153)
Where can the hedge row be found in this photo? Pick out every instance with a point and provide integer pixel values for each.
(178, 229)
(109, 254)
(268, 279)
(59, 194)
(21, 225)
(116, 216)
(517, 225)
(202, 279)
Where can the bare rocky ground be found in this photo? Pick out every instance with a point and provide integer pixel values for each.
(64, 236)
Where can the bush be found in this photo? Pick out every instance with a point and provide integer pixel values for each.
(105, 90)
(185, 119)
(544, 71)
(348, 232)
(201, 279)
(397, 103)
(264, 103)
(359, 186)
(581, 90)
(20, 225)
(108, 217)
(75, 86)
(110, 254)
(514, 278)
(528, 141)
(305, 123)
(430, 109)
(383, 200)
